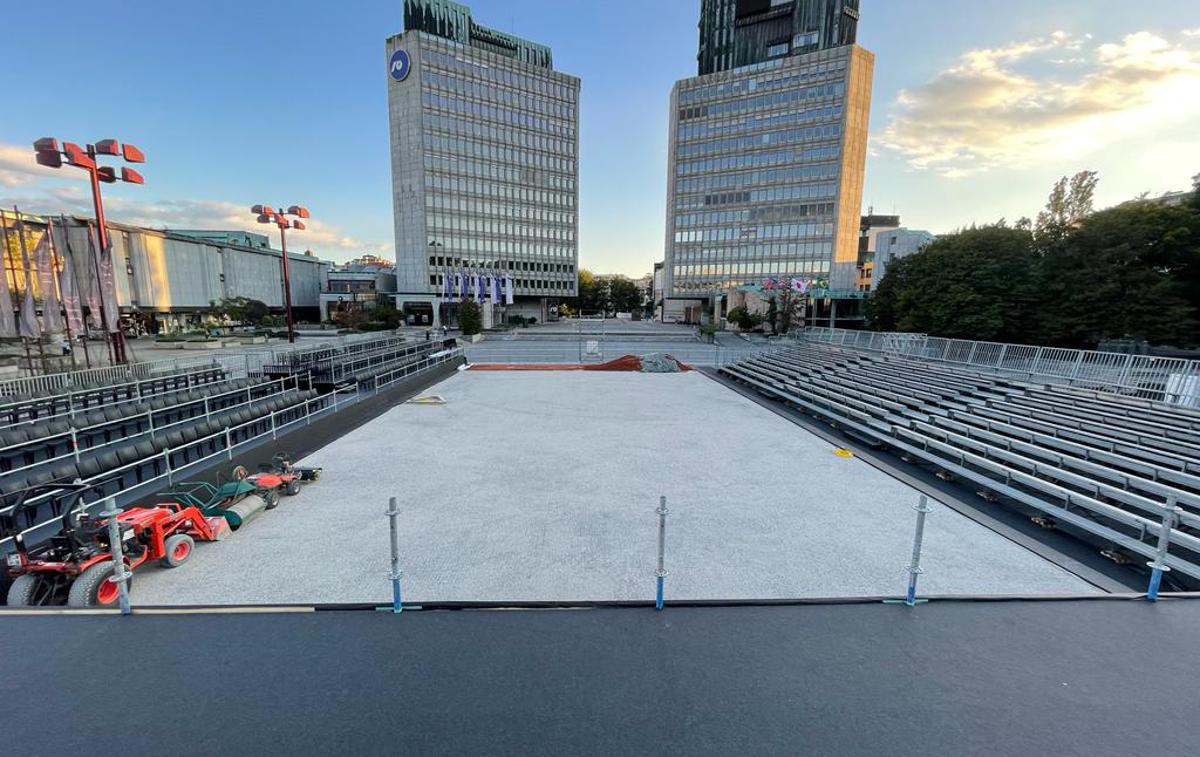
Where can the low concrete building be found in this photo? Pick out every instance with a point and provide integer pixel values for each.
(170, 281)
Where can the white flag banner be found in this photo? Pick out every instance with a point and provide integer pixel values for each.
(108, 290)
(93, 269)
(477, 281)
(8, 321)
(29, 321)
(44, 260)
(461, 280)
(495, 283)
(508, 290)
(69, 286)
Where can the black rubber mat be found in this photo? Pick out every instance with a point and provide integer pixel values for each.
(1103, 677)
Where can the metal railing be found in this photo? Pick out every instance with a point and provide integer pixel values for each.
(236, 365)
(1174, 381)
(252, 395)
(312, 408)
(84, 400)
(571, 353)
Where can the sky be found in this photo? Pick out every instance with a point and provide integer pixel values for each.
(977, 108)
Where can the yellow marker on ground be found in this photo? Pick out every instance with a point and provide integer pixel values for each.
(843, 452)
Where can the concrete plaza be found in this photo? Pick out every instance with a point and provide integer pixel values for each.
(543, 486)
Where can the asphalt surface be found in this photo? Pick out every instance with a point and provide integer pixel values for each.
(1094, 678)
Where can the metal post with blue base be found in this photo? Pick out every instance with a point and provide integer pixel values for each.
(661, 573)
(393, 513)
(121, 574)
(1158, 565)
(914, 566)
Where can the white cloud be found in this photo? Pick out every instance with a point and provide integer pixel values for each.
(32, 188)
(18, 168)
(1015, 105)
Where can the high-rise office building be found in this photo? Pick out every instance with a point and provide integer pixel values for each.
(484, 145)
(766, 165)
(736, 33)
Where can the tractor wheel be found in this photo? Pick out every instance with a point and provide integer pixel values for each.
(176, 550)
(292, 488)
(24, 590)
(93, 589)
(271, 497)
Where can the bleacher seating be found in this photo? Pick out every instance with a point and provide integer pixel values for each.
(1104, 464)
(338, 366)
(23, 408)
(123, 446)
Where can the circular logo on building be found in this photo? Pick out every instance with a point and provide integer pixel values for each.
(399, 65)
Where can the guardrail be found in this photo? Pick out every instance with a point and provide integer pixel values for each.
(236, 365)
(73, 404)
(1174, 381)
(71, 437)
(313, 408)
(573, 353)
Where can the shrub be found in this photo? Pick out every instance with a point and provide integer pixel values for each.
(470, 319)
(744, 319)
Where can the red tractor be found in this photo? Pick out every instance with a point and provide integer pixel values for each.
(281, 474)
(76, 564)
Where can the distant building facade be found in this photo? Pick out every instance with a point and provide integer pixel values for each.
(882, 241)
(765, 175)
(484, 146)
(893, 245)
(359, 284)
(168, 281)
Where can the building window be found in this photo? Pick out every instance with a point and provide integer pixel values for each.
(778, 49)
(801, 41)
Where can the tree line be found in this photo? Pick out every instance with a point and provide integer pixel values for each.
(1073, 277)
(615, 294)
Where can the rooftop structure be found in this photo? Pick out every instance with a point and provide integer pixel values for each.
(736, 33)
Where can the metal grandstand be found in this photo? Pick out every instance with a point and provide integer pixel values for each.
(1172, 380)
(1081, 454)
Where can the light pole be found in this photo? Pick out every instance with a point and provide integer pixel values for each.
(267, 214)
(50, 155)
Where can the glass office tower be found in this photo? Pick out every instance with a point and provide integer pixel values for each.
(765, 174)
(484, 144)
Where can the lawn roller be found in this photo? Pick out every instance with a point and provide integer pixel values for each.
(235, 498)
(281, 474)
(76, 565)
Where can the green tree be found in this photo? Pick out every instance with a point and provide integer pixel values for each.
(243, 310)
(1070, 201)
(470, 318)
(387, 314)
(593, 293)
(624, 295)
(744, 319)
(979, 283)
(1128, 271)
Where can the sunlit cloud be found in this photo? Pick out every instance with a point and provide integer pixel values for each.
(36, 189)
(1050, 97)
(18, 167)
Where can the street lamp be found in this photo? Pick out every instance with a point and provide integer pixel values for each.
(49, 154)
(267, 214)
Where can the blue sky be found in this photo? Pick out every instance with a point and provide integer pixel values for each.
(977, 107)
